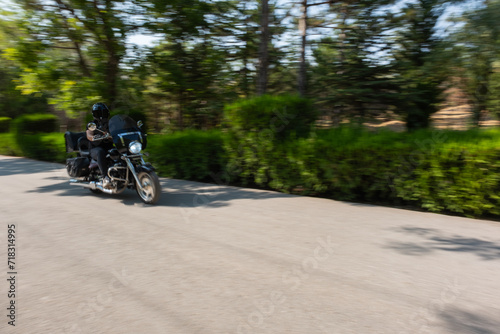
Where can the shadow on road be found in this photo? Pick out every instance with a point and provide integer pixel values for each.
(461, 321)
(194, 194)
(432, 240)
(15, 166)
(175, 193)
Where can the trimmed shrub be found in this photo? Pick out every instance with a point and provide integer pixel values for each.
(454, 180)
(273, 117)
(41, 146)
(192, 155)
(5, 124)
(8, 145)
(438, 171)
(36, 123)
(32, 143)
(257, 126)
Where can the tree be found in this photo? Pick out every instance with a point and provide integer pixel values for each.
(191, 66)
(12, 102)
(420, 83)
(190, 80)
(268, 54)
(348, 80)
(238, 35)
(71, 50)
(303, 25)
(477, 50)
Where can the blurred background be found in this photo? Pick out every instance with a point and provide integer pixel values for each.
(180, 62)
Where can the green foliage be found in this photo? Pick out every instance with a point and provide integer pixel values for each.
(193, 86)
(12, 102)
(273, 117)
(439, 171)
(35, 123)
(34, 137)
(419, 63)
(494, 90)
(46, 147)
(257, 126)
(8, 145)
(75, 97)
(5, 124)
(41, 146)
(71, 54)
(348, 79)
(193, 155)
(477, 50)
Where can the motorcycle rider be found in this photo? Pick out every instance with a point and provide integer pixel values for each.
(100, 141)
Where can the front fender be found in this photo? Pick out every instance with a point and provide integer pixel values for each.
(147, 168)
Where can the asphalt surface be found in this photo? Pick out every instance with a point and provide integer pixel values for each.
(216, 259)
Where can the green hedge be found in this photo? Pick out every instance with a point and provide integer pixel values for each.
(193, 155)
(272, 117)
(5, 124)
(35, 123)
(42, 146)
(257, 127)
(439, 171)
(8, 145)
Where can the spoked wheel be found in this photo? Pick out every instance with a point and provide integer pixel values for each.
(151, 189)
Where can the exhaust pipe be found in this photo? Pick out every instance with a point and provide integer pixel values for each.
(90, 185)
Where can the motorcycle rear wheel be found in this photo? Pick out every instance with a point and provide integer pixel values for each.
(151, 189)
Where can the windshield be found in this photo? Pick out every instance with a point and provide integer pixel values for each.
(122, 123)
(124, 131)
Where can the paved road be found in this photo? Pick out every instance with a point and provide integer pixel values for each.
(210, 259)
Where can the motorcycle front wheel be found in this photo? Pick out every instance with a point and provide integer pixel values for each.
(151, 189)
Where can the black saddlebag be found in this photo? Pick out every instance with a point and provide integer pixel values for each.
(78, 167)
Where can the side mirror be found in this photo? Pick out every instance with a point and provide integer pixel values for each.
(140, 124)
(91, 126)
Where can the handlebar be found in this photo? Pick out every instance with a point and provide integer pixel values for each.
(101, 137)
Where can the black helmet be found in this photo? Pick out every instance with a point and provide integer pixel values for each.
(99, 110)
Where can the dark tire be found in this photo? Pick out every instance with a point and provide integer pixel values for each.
(151, 189)
(96, 191)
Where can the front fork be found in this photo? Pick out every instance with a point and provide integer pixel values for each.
(131, 167)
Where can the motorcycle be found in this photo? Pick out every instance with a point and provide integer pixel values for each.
(127, 168)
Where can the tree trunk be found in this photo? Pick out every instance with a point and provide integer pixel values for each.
(302, 80)
(112, 71)
(262, 75)
(180, 116)
(111, 45)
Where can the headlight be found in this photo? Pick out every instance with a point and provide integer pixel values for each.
(135, 147)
